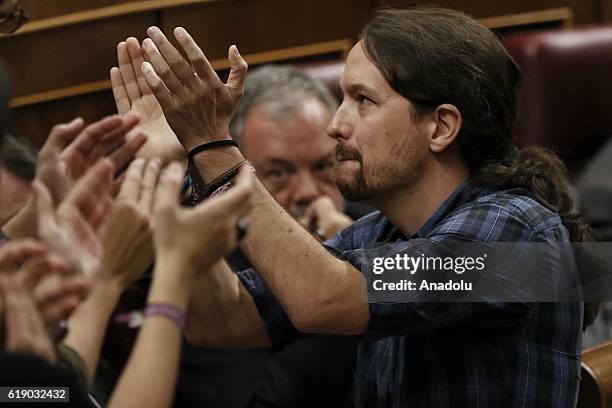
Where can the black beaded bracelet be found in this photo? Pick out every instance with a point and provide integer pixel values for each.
(211, 145)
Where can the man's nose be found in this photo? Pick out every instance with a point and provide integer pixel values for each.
(339, 127)
(306, 190)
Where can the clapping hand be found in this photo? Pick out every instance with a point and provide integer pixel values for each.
(133, 95)
(127, 242)
(197, 104)
(70, 150)
(197, 237)
(27, 310)
(74, 228)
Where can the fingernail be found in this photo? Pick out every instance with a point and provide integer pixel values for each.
(75, 121)
(180, 31)
(154, 31)
(147, 68)
(147, 44)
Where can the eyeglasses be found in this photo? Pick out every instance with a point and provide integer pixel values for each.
(10, 22)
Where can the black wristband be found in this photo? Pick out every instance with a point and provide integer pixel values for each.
(211, 145)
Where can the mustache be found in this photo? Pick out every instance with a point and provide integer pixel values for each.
(347, 153)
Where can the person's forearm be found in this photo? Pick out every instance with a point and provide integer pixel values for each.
(150, 375)
(319, 292)
(88, 324)
(222, 313)
(23, 224)
(212, 163)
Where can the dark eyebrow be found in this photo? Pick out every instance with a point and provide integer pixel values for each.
(359, 88)
(278, 162)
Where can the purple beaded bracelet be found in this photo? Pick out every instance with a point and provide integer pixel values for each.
(166, 310)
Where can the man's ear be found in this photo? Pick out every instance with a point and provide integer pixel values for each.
(447, 121)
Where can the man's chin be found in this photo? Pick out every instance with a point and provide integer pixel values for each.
(354, 189)
(350, 181)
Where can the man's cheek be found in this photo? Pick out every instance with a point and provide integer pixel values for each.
(283, 198)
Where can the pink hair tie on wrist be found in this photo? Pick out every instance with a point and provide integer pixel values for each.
(166, 310)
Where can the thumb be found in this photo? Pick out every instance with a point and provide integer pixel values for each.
(44, 204)
(238, 71)
(168, 187)
(61, 135)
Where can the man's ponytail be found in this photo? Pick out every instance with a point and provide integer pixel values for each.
(542, 172)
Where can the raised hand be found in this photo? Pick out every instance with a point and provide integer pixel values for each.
(127, 242)
(25, 265)
(70, 150)
(133, 95)
(74, 229)
(197, 237)
(197, 104)
(25, 330)
(127, 253)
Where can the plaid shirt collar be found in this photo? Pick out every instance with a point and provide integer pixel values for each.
(465, 193)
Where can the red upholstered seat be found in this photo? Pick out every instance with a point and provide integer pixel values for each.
(566, 100)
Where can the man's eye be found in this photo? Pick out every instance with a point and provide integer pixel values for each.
(324, 167)
(276, 174)
(363, 100)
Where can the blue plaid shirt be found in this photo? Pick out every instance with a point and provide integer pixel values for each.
(456, 354)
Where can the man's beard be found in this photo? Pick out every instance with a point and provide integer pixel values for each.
(401, 168)
(355, 188)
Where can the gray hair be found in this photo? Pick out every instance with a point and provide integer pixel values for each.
(280, 91)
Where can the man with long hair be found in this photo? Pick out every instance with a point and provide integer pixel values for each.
(424, 134)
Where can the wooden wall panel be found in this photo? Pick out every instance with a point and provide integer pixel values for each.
(56, 59)
(256, 26)
(40, 9)
(585, 11)
(46, 60)
(35, 121)
(605, 8)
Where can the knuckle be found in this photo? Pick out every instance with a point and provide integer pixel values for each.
(164, 71)
(203, 90)
(183, 102)
(173, 110)
(156, 85)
